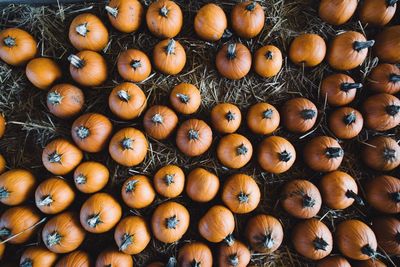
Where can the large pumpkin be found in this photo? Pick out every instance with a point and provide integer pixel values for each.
(91, 176)
(308, 50)
(381, 153)
(185, 98)
(387, 47)
(217, 224)
(164, 18)
(337, 12)
(234, 151)
(299, 115)
(202, 185)
(339, 89)
(276, 154)
(226, 118)
(381, 112)
(134, 65)
(247, 19)
(16, 186)
(377, 12)
(42, 72)
(385, 78)
(263, 118)
(88, 68)
(383, 193)
(169, 181)
(169, 57)
(137, 192)
(346, 122)
(194, 137)
(268, 61)
(65, 100)
(125, 15)
(210, 22)
(17, 46)
(132, 235)
(159, 122)
(233, 61)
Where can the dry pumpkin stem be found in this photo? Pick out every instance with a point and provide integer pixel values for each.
(358, 46)
(350, 86)
(126, 241)
(45, 201)
(123, 95)
(76, 61)
(93, 220)
(113, 11)
(55, 98)
(53, 239)
(334, 152)
(357, 198)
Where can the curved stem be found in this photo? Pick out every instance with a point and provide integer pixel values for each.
(46, 201)
(349, 86)
(5, 232)
(230, 116)
(82, 29)
(367, 250)
(320, 243)
(391, 2)
(82, 132)
(243, 197)
(136, 64)
(170, 48)
(157, 118)
(233, 259)
(26, 263)
(395, 196)
(53, 239)
(389, 154)
(169, 179)
(183, 98)
(268, 114)
(334, 152)
(358, 46)
(231, 51)
(241, 150)
(229, 239)
(54, 98)
(350, 118)
(285, 156)
(251, 6)
(94, 220)
(172, 262)
(130, 186)
(123, 95)
(76, 61)
(193, 134)
(9, 41)
(113, 11)
(357, 198)
(308, 114)
(54, 157)
(4, 193)
(81, 179)
(269, 55)
(164, 11)
(394, 78)
(171, 222)
(392, 110)
(308, 202)
(126, 143)
(127, 240)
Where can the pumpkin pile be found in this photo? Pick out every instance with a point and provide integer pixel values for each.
(210, 205)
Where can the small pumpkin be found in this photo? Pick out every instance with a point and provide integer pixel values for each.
(194, 137)
(91, 177)
(333, 261)
(234, 151)
(17, 46)
(217, 224)
(387, 47)
(170, 222)
(42, 72)
(61, 156)
(356, 240)
(159, 122)
(137, 192)
(268, 61)
(2, 250)
(77, 258)
(2, 125)
(169, 181)
(348, 50)
(169, 57)
(236, 254)
(226, 118)
(127, 101)
(346, 122)
(385, 78)
(381, 153)
(308, 50)
(210, 22)
(339, 190)
(65, 100)
(87, 32)
(337, 12)
(134, 65)
(202, 185)
(63, 233)
(263, 118)
(128, 147)
(16, 186)
(113, 258)
(195, 254)
(88, 68)
(185, 98)
(276, 154)
(233, 61)
(383, 193)
(164, 18)
(37, 256)
(301, 199)
(339, 89)
(125, 15)
(381, 112)
(132, 235)
(99, 213)
(247, 19)
(53, 195)
(312, 239)
(2, 164)
(18, 220)
(387, 231)
(323, 154)
(369, 263)
(299, 115)
(377, 12)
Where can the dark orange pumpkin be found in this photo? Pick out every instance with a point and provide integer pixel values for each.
(247, 19)
(217, 224)
(125, 15)
(88, 68)
(383, 193)
(169, 57)
(164, 18)
(2, 125)
(369, 263)
(185, 98)
(137, 192)
(385, 78)
(195, 254)
(339, 89)
(346, 122)
(91, 176)
(233, 61)
(16, 186)
(132, 235)
(377, 12)
(2, 249)
(337, 12)
(308, 50)
(134, 65)
(37, 256)
(77, 258)
(299, 115)
(202, 185)
(387, 47)
(194, 137)
(169, 181)
(381, 112)
(42, 72)
(2, 164)
(114, 258)
(387, 231)
(210, 22)
(234, 151)
(333, 261)
(236, 254)
(17, 46)
(159, 122)
(381, 153)
(268, 61)
(276, 154)
(263, 118)
(226, 118)
(65, 100)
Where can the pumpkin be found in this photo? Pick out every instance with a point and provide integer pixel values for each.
(348, 50)
(301, 199)
(91, 176)
(383, 193)
(113, 258)
(202, 185)
(91, 131)
(169, 181)
(276, 154)
(134, 65)
(323, 154)
(312, 239)
(137, 192)
(53, 195)
(132, 235)
(299, 115)
(234, 151)
(185, 98)
(381, 112)
(387, 231)
(377, 12)
(337, 12)
(346, 122)
(195, 254)
(2, 164)
(226, 118)
(16, 186)
(247, 19)
(339, 190)
(127, 101)
(63, 233)
(236, 254)
(385, 78)
(2, 125)
(233, 61)
(77, 258)
(87, 32)
(170, 222)
(99, 213)
(369, 263)
(308, 50)
(19, 220)
(65, 100)
(194, 137)
(37, 256)
(88, 68)
(355, 240)
(42, 72)
(268, 61)
(2, 249)
(169, 57)
(264, 233)
(164, 18)
(387, 47)
(61, 156)
(339, 89)
(210, 22)
(128, 147)
(17, 46)
(333, 261)
(159, 122)
(381, 153)
(125, 15)
(263, 118)
(216, 224)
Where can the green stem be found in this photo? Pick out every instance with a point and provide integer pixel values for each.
(195, 263)
(136, 64)
(394, 78)
(389, 154)
(5, 232)
(227, 34)
(157, 118)
(26, 263)
(308, 202)
(269, 55)
(172, 262)
(268, 114)
(395, 196)
(76, 61)
(358, 46)
(112, 11)
(267, 241)
(164, 11)
(229, 240)
(233, 259)
(94, 220)
(251, 6)
(170, 48)
(169, 179)
(391, 2)
(243, 197)
(367, 250)
(183, 98)
(81, 179)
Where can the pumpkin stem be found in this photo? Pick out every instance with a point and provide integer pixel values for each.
(367, 250)
(349, 118)
(389, 154)
(269, 55)
(230, 116)
(357, 198)
(169, 179)
(157, 118)
(5, 232)
(126, 143)
(26, 263)
(268, 114)
(123, 95)
(285, 156)
(82, 29)
(45, 201)
(349, 86)
(392, 110)
(130, 186)
(395, 196)
(54, 98)
(195, 263)
(394, 78)
(358, 46)
(391, 2)
(53, 239)
(308, 202)
(193, 134)
(164, 11)
(171, 262)
(112, 11)
(229, 240)
(80, 179)
(127, 240)
(171, 222)
(9, 41)
(251, 6)
(183, 98)
(54, 157)
(170, 48)
(243, 197)
(227, 34)
(241, 150)
(4, 193)
(307, 114)
(76, 61)
(231, 52)
(334, 152)
(94, 220)
(267, 241)
(320, 243)
(136, 64)
(82, 132)
(233, 259)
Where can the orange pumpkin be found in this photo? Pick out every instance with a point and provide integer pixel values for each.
(236, 254)
(346, 122)
(381, 153)
(276, 154)
(159, 122)
(387, 45)
(125, 15)
(37, 256)
(90, 177)
(17, 46)
(385, 78)
(2, 164)
(339, 89)
(202, 185)
(377, 12)
(263, 118)
(268, 61)
(333, 261)
(2, 249)
(113, 258)
(137, 192)
(233, 61)
(77, 258)
(383, 193)
(195, 254)
(234, 151)
(88, 68)
(337, 12)
(42, 72)
(247, 19)
(210, 22)
(194, 137)
(134, 65)
(16, 186)
(299, 115)
(226, 118)
(169, 181)
(217, 224)
(65, 100)
(2, 125)
(132, 235)
(169, 57)
(185, 98)
(387, 231)
(381, 112)
(369, 263)
(308, 50)
(164, 18)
